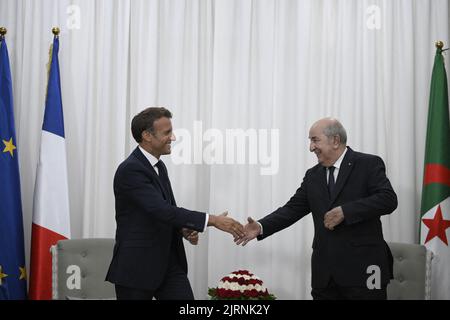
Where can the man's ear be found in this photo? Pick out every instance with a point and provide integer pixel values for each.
(337, 140)
(146, 136)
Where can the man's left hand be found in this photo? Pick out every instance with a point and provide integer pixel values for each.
(190, 235)
(333, 217)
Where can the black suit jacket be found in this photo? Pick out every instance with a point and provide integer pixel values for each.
(364, 193)
(148, 226)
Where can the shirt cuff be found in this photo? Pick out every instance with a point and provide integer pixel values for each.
(260, 225)
(206, 222)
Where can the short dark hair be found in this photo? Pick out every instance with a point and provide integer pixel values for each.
(145, 119)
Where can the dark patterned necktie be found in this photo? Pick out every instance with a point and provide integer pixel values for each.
(164, 178)
(331, 180)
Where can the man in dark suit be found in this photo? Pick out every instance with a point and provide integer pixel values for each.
(149, 259)
(346, 192)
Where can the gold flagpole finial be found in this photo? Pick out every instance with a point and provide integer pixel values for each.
(3, 31)
(439, 44)
(55, 31)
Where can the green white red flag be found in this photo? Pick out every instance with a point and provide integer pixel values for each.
(435, 206)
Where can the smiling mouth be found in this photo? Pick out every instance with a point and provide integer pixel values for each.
(318, 156)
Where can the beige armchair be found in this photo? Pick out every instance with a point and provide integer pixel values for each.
(79, 268)
(412, 272)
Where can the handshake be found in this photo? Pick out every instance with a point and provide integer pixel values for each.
(241, 234)
(244, 234)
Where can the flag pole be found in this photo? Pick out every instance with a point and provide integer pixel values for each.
(56, 31)
(439, 45)
(3, 31)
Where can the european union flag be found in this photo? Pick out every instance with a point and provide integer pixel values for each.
(12, 258)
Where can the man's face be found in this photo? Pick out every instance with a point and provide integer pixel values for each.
(162, 137)
(324, 147)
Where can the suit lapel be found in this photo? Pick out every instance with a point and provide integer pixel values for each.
(321, 178)
(344, 172)
(167, 188)
(140, 156)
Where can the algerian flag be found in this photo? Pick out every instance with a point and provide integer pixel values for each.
(435, 208)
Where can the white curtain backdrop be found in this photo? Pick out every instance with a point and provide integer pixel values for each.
(267, 67)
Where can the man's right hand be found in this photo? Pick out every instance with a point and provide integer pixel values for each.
(227, 224)
(252, 230)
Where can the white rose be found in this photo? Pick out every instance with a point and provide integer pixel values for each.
(226, 285)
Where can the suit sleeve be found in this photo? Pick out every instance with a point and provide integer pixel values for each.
(295, 209)
(382, 199)
(132, 184)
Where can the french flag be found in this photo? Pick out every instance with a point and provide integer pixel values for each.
(51, 218)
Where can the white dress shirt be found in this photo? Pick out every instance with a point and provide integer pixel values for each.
(336, 166)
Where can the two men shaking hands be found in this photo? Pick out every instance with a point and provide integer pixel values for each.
(346, 192)
(242, 234)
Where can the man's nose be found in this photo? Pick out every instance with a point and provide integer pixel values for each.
(312, 147)
(172, 137)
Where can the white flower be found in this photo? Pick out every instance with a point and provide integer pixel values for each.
(235, 286)
(224, 285)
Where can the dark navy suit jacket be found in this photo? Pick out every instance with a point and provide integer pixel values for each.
(345, 253)
(148, 226)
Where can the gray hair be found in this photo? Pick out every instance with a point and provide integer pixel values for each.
(336, 129)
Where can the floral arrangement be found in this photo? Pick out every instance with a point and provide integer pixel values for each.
(240, 285)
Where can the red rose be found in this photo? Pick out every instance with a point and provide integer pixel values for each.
(253, 293)
(243, 272)
(221, 293)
